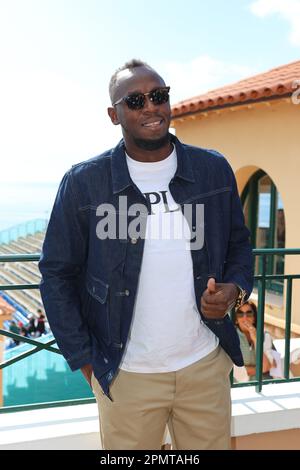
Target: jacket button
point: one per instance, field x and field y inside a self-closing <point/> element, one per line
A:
<point x="126" y="292"/>
<point x="134" y="241"/>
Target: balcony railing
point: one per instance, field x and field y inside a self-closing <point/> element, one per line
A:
<point x="261" y="277"/>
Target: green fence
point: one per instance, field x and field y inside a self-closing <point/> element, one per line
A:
<point x="263" y="279"/>
<point x="48" y="345"/>
<point x="40" y="377"/>
<point x="72" y="384"/>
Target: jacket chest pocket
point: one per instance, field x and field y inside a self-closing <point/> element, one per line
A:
<point x="99" y="308"/>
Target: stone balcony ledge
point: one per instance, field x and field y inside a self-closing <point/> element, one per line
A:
<point x="270" y="419"/>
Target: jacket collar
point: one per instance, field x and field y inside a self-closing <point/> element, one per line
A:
<point x="120" y="173"/>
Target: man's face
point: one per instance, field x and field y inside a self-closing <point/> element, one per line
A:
<point x="146" y="125"/>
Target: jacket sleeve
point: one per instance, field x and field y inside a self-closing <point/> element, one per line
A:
<point x="61" y="265"/>
<point x="239" y="260"/>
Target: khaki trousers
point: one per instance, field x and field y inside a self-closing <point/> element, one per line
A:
<point x="194" y="402"/>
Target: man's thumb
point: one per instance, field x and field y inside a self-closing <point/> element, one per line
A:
<point x="211" y="285"/>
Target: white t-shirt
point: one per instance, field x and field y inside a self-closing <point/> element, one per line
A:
<point x="167" y="332"/>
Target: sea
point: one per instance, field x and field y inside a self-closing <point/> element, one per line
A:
<point x="25" y="201"/>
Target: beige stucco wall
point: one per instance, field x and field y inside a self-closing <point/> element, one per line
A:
<point x="266" y="136"/>
<point x="281" y="440"/>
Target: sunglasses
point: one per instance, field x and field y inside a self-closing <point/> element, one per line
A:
<point x="137" y="100"/>
<point x="247" y="314"/>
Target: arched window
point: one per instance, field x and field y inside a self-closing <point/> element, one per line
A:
<point x="264" y="216"/>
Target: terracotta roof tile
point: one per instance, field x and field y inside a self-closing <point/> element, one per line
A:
<point x="274" y="83"/>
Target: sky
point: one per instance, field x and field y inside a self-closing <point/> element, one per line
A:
<point x="57" y="57"/>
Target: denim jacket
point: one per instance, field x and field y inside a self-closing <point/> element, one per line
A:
<point x="89" y="285"/>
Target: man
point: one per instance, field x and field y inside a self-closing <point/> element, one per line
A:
<point x="40" y="323"/>
<point x="31" y="327"/>
<point x="14" y="328"/>
<point x="143" y="310"/>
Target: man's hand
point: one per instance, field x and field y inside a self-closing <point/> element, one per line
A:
<point x="218" y="298"/>
<point x="87" y="371"/>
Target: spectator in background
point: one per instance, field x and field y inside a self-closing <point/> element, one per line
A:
<point x="31" y="328"/>
<point x="246" y="324"/>
<point x="23" y="331"/>
<point x="37" y="325"/>
<point x="13" y="328"/>
<point x="40" y="323"/>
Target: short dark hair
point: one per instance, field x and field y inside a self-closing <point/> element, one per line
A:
<point x="130" y="65"/>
